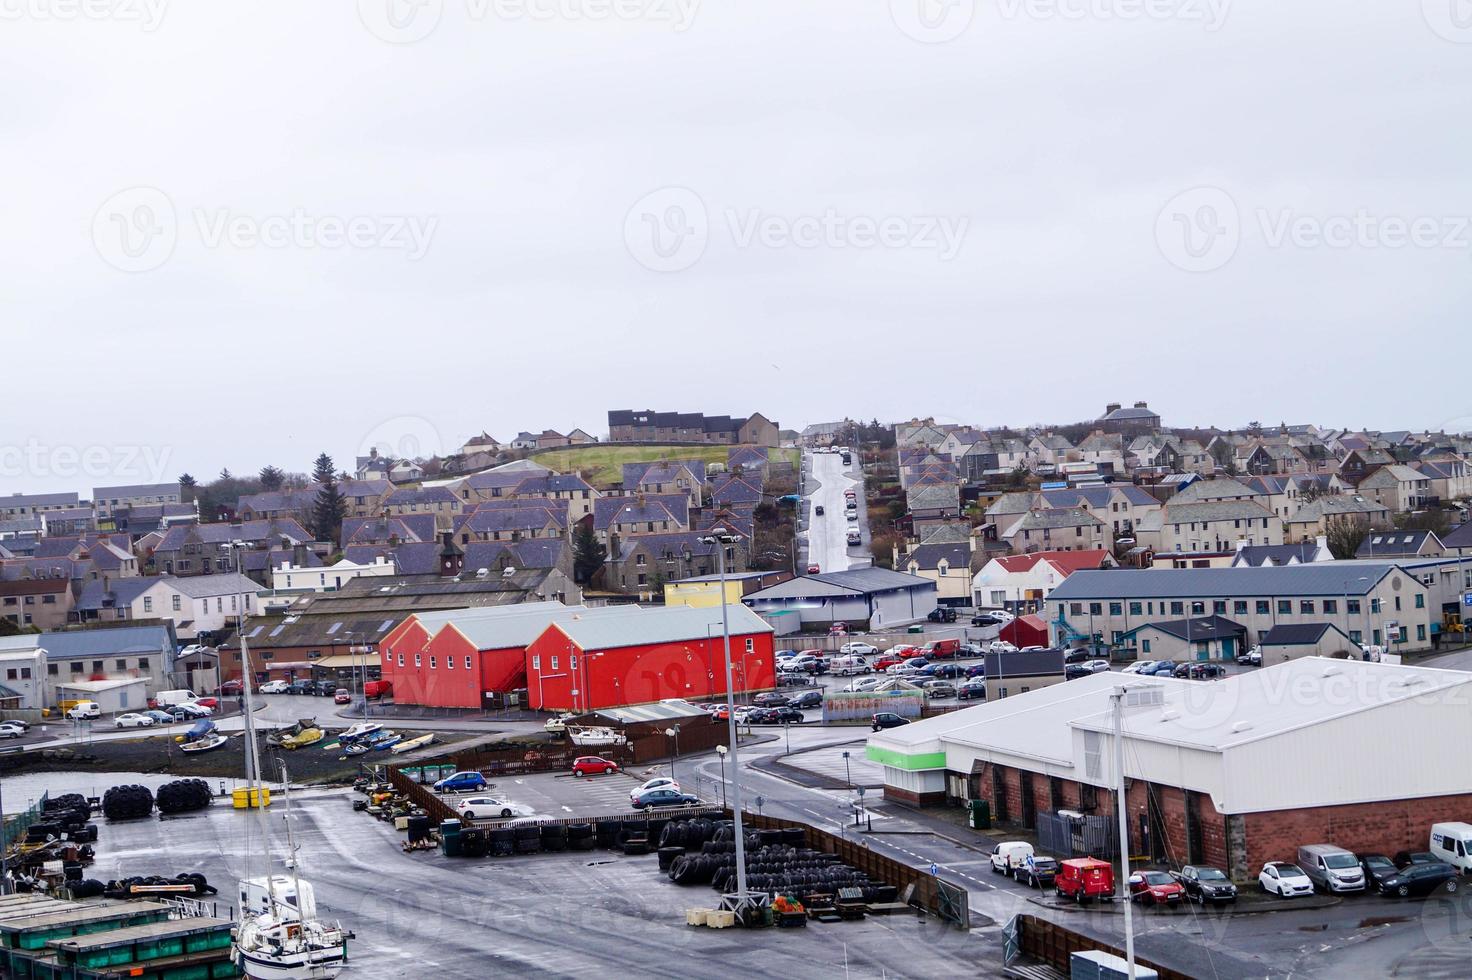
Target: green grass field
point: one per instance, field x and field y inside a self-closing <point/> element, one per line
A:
<point x="603" y="462"/>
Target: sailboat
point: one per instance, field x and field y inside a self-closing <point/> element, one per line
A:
<point x="280" y="936"/>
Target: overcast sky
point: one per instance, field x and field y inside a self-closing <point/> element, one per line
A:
<point x="243" y="233"/>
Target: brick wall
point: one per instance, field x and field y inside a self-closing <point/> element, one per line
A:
<point x="1384" y="827"/>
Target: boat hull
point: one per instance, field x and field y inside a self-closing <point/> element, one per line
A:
<point x="317" y="964"/>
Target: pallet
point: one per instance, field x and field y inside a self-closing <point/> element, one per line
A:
<point x="890" y="908"/>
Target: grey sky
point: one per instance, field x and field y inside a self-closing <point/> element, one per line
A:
<point x="877" y="221"/>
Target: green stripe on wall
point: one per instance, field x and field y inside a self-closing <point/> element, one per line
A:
<point x="898" y="760"/>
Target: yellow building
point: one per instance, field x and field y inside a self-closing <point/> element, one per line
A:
<point x="705" y="590"/>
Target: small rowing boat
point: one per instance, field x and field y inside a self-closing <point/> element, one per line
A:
<point x="207" y="744"/>
<point x="409" y="745"/>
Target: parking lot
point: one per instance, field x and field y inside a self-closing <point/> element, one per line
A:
<point x="563" y="795"/>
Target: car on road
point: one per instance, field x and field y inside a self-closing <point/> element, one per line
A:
<point x="1001" y="646"/>
<point x="976" y="670"/>
<point x="1038" y="872"/>
<point x="818" y="510"/>
<point x="1008" y="854"/>
<point x="1203" y="883"/>
<point x="1083" y="879"/>
<point x="159" y="717"/>
<point x="473" y="807"/>
<point x="973" y="690"/>
<point x="466" y="781"/>
<point x="301" y="688"/>
<point x="814" y="568"/>
<point x="942" y="614"/>
<point x="593" y="765"/>
<point x="771" y="699"/>
<point x="232" y="689"/>
<point x="83" y="710"/>
<point x="212" y="703"/>
<point x="808" y="699"/>
<point x="838" y="629"/>
<point x="193" y="709"/>
<point x="664" y="797"/>
<point x="887" y="719"/>
<point x="275" y="687"/>
<point x="1072" y="672"/>
<point x="938" y="689"/>
<point x="1138" y="667"/>
<point x="1416" y="880"/>
<point x="776" y="716"/>
<point x="133" y="720"/>
<point x="858" y="648"/>
<point x="1250" y="658"/>
<point x="7" y="730"/>
<point x="865" y="685"/>
<point x="1076" y="656"/>
<point x="1155" y="888"/>
<point x="342" y="696"/>
<point x="1377" y="868"/>
<point x="1284" y="879"/>
<point x="1096" y="666"/>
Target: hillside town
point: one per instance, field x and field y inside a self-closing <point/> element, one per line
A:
<point x="976" y="597"/>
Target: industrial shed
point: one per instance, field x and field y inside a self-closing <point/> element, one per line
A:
<point x="1233" y="772"/>
<point x="868" y="597"/>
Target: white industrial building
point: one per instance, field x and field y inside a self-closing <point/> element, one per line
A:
<point x="877" y="597"/>
<point x="1232" y="772"/>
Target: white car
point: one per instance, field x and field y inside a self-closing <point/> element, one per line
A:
<point x="8" y="730"/>
<point x="490" y="807"/>
<point x="903" y="668"/>
<point x="1138" y="667"/>
<point x="1282" y="878"/>
<point x="1097" y="666"/>
<point x="1001" y="646"/>
<point x="865" y="685"/>
<point x="658" y="782"/>
<point x="274" y="687"/>
<point x="133" y="720"/>
<point x="84" y="709"/>
<point x="857" y="648"/>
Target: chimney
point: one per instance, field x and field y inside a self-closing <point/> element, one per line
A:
<point x="1241" y="543"/>
<point x="452" y="559"/>
<point x="1141" y="405"/>
<point x="1111" y="407"/>
<point x="1323" y="542"/>
<point x="299" y="555"/>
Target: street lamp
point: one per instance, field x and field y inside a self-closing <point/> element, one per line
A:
<point x="721" y="751"/>
<point x="674" y="733"/>
<point x="847" y="776"/>
<point x="742" y="899"/>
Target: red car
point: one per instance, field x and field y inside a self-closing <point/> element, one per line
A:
<point x="887" y="661"/>
<point x="1156" y="888"/>
<point x="232" y="689"/>
<point x="212" y="703"/>
<point x="342" y="696"/>
<point x="813" y="568"/>
<point x="592" y="765"/>
<point x="905" y="651"/>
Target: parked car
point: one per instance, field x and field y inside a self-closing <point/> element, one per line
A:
<point x="491" y="806"/>
<point x="945" y="671"/>
<point x="467" y="781"/>
<point x="905" y="650"/>
<point x="373" y="690"/>
<point x="1162" y="668"/>
<point x="858" y="648"/>
<point x="342" y="696"/>
<point x="792" y="678"/>
<point x="232" y="689"/>
<point x="8" y="730"/>
<point x="1076" y="656"/>
<point x="1199" y="671"/>
<point x="771" y="699"/>
<point x="1001" y="646"/>
<point x="1250" y="658"/>
<point x="195" y="709"/>
<point x="1084" y="879"/>
<point x="906" y="668"/>
<point x="888" y="719"/>
<point x="847" y="665"/>
<point x="1332" y="869"/>
<point x="664" y="797"/>
<point x="301" y="687"/>
<point x="1204" y="883"/>
<point x="814" y="568"/>
<point x="838" y="629"/>
<point x="973" y="690"/>
<point x="976" y="670"/>
<point x="1073" y="672"/>
<point x="593" y="765"/>
<point x="1377" y="868"/>
<point x="994" y="617"/>
<point x="159" y="717"/>
<point x="887" y="661"/>
<point x="1009" y="854"/>
<point x="942" y="614"/>
<point x="854" y="536"/>
<point x="1096" y="666"/>
<point x="1138" y="667"/>
<point x="1155" y="888"/>
<point x="1421" y="879"/>
<point x="867" y="684"/>
<point x="1404" y="859"/>
<point x="133" y="720"/>
<point x="818" y="510"/>
<point x="324" y="689"/>
<point x="941" y="649"/>
<point x="780" y="716"/>
<point x="83" y="710"/>
<point x="970" y="648"/>
<point x="1284" y="879"/>
<point x="274" y="687"/>
<point x="807" y="699"/>
<point x="212" y="703"/>
<point x="1038" y="872"/>
<point x="938" y="689"/>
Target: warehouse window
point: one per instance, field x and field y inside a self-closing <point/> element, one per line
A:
<point x="1219" y="607"/>
<point x="418" y="660"/>
<point x="1116" y="609"/>
<point x="1198" y="608"/>
<point x="1421" y="632"/>
<point x="122" y="665"/>
<point x="554" y="663"/>
<point x="1096" y="609"/>
<point x="401" y="660"/>
<point x="53" y="669"/>
<point x="750" y="645"/>
<point x="1177" y="608"/>
<point x="1076" y="608"/>
<point x="1262" y="607"/>
<point x="433" y="663"/>
<point x="1144" y="646"/>
<point x="1420" y="601"/>
<point x="467" y="662"/>
<point x="1306" y="607"/>
<point x="1239" y="607"/>
<point x="1093" y="761"/>
<point x="1352" y="606"/>
<point x="1134" y="609"/>
<point x="449" y="663"/>
<point x="537" y="662"/>
<point x="76" y="666"/>
<point x="1355" y="636"/>
<point x="1285" y="607"/>
<point x="572" y="662"/>
<point x="1331" y="606"/>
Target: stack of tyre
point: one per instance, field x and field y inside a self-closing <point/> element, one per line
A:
<point x="581" y="837"/>
<point x="127" y="802"/>
<point x="64" y="816"/>
<point x="123" y="887"/>
<point x="699" y="852"/>
<point x="184" y="796"/>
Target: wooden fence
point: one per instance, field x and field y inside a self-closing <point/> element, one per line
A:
<point x="1053" y="944"/>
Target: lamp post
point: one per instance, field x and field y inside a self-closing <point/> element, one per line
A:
<point x="742" y="899"/>
<point x="674" y="733"/>
<point x="847" y="776"/>
<point x="721" y="751"/>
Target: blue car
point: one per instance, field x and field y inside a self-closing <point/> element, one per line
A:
<point x="976" y="670"/>
<point x="461" y="782"/>
<point x="1162" y="668"/>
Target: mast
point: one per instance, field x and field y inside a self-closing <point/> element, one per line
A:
<point x="296" y="880"/>
<point x="1124" y="830"/>
<point x="254" y="787"/>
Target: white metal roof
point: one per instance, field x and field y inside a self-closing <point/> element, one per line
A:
<point x="502" y="632"/>
<point x="667" y="625"/>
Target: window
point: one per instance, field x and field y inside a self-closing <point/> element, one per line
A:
<point x="176" y="604"/>
<point x="122" y="665"/>
<point x="76" y="666"/>
<point x="1306" y="607"/>
<point x="449" y="663"/>
<point x="1352" y="606"/>
<point x="148" y="603"/>
<point x="401" y="660"/>
<point x="1239" y="607"/>
<point x="1355" y="635"/>
<point x="750" y="645"/>
<point x="1144" y="646"/>
<point x="467" y="662"/>
<point x="97" y="666"/>
<point x="537" y="662"/>
<point x="1198" y="608"/>
<point x="1263" y="607"/>
<point x="1076" y="608"/>
<point x="1219" y="607"/>
<point x="1331" y="606"/>
<point x="418" y="660"/>
<point x="554" y="663"/>
<point x="142" y="663"/>
<point x="1421" y="631"/>
<point x="1420" y="601"/>
<point x="433" y="663"/>
<point x="643" y="579"/>
<point x="1285" y="607"/>
<point x="1134" y="609"/>
<point x="1375" y="605"/>
<point x="10" y="674"/>
<point x="1178" y="608"/>
<point x="48" y="600"/>
<point x="1116" y="609"/>
<point x="53" y="669"/>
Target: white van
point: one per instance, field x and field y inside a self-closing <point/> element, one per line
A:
<point x="1452" y="843"/>
<point x="848" y="665"/>
<point x="1009" y="855"/>
<point x="167" y="699"/>
<point x="83" y="710"/>
<point x="1333" y="870"/>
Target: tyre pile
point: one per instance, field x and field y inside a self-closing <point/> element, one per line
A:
<point x="184" y="796"/>
<point x="636" y="836"/>
<point x="127" y="802"/>
<point x="123" y="887"/>
<point x="65" y="817"/>
<point x="703" y="852"/>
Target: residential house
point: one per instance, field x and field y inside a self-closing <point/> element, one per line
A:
<point x="1400" y="544"/>
<point x="570" y="487"/>
<point x="1397" y="487"/>
<point x="577" y="437"/>
<point x="930" y="505"/>
<point x="1314" y="519"/>
<point x="1135" y="421"/>
<point x="642" y="563"/>
<point x="1020" y="583"/>
<point x="1106" y="450"/>
<point x="1120" y="505"/>
<point x="1451" y="479"/>
<point x="388" y="530"/>
<point x="1198" y="638"/>
<point x="140" y="519"/>
<point x="30" y="504"/>
<point x="1047" y="451"/>
<point x="551" y="439"/>
<point x="947" y="565"/>
<point x="203" y="549"/>
<point x="1361" y="463"/>
<point x="107" y="500"/>
<point x="71" y="521"/>
<point x="439" y="501"/>
<point x="289" y="577"/>
<point x="736" y="490"/>
<point x="1210" y="525"/>
<point x="641" y="514"/>
<point x="1071" y="529"/>
<point x="1290" y="641"/>
<point x="512" y="520"/>
<point x="44" y="604"/>
<point x="626" y="425"/>
<point x="1300" y="553"/>
<point x="524" y="440"/>
<point x="483" y="443"/>
<point x="667" y="476"/>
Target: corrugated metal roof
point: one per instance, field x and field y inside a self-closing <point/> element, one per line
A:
<point x="106" y="642"/>
<point x="503" y="632"/>
<point x="854" y="580"/>
<point x="668" y="625"/>
<point x="1314" y="578"/>
<point x="433" y="621"/>
<point x="673" y="710"/>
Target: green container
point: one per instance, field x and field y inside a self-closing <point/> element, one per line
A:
<point x="980" y="815"/>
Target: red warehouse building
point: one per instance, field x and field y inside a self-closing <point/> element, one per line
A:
<point x="465" y="658"/>
<point x="587" y="663"/>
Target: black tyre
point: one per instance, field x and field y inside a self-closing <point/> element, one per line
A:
<point x="468" y="815"/>
<point x="505" y="812"/>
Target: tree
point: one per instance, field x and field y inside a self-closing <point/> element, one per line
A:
<point x="271" y="478"/>
<point x="330" y="507"/>
<point x="882" y="547"/>
<point x="1434" y="520"/>
<point x="1309" y="493"/>
<point x="1345" y="536"/>
<point x="588" y="554"/>
<point x="187" y="485"/>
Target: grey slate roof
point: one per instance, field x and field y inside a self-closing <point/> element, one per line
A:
<point x="1216" y="510"/>
<point x="1198" y="628"/>
<point x="859" y="581"/>
<point x="1386" y="544"/>
<point x="122" y="640"/>
<point x="1298" y="634"/>
<point x="1330" y="578"/>
<point x="1279" y="554"/>
<point x="929" y="556"/>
